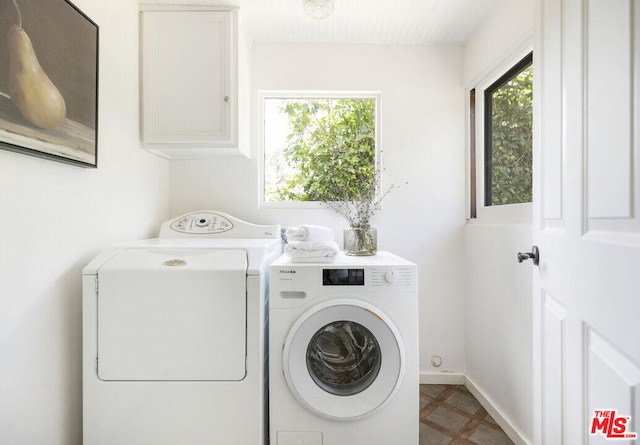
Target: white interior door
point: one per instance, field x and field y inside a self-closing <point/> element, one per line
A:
<point x="587" y="221"/>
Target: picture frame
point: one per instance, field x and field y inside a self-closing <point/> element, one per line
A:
<point x="49" y="81"/>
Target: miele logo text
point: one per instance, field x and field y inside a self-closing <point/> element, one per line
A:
<point x="611" y="425"/>
<point x="287" y="271"/>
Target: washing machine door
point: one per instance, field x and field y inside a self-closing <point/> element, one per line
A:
<point x="343" y="359"/>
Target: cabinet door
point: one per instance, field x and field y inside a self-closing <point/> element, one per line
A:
<point x="188" y="79"/>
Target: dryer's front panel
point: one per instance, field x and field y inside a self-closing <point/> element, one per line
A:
<point x="172" y="316"/>
<point x="343" y="359"/>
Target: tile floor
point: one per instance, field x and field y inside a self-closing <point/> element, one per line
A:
<point x="450" y="415"/>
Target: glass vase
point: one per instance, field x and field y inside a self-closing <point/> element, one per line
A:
<point x="360" y="241"/>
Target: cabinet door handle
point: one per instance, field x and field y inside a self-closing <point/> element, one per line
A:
<point x="226" y="99"/>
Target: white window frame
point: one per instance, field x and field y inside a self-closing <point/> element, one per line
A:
<point x="509" y="213"/>
<point x="307" y="94"/>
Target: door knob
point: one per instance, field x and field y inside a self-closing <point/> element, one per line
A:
<point x="534" y="254"/>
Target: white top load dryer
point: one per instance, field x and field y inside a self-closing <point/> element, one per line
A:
<point x="174" y="335"/>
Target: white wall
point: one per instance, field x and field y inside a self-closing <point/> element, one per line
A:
<point x="499" y="289"/>
<point x="423" y="143"/>
<point x="509" y="24"/>
<point x="54" y="218"/>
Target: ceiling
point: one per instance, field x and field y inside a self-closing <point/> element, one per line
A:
<point x="408" y="22"/>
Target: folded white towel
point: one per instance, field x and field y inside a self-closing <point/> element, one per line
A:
<point x="310" y="233"/>
<point x="304" y="251"/>
<point x="313" y="259"/>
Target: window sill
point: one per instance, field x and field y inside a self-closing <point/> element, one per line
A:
<point x="520" y="214"/>
<point x="297" y="205"/>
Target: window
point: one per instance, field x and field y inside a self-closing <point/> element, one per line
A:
<point x="317" y="143"/>
<point x="508" y="136"/>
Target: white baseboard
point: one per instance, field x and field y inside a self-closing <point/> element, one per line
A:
<point x="498" y="416"/>
<point x="442" y="378"/>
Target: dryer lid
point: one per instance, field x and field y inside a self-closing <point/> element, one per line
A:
<point x="158" y="257"/>
<point x="172" y="315"/>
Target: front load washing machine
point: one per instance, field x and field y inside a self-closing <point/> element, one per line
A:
<point x="174" y="333"/>
<point x="343" y="348"/>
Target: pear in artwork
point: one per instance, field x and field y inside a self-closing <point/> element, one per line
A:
<point x="30" y="88"/>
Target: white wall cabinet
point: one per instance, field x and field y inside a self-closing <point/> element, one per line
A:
<point x="189" y="81"/>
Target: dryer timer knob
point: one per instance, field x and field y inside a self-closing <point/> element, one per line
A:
<point x="392" y="276"/>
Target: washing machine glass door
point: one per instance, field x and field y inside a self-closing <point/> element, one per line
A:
<point x="343" y="359"/>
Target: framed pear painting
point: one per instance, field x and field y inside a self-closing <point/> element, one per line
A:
<point x="49" y="81"/>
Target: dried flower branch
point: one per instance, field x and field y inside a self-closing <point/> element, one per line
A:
<point x="358" y="210"/>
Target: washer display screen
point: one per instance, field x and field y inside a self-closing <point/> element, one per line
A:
<point x="343" y="277"/>
<point x="343" y="358"/>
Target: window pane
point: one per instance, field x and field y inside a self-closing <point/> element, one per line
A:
<point x="315" y="146"/>
<point x="508" y="137"/>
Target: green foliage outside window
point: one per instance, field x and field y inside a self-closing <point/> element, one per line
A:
<point x="511" y="140"/>
<point x="328" y="153"/>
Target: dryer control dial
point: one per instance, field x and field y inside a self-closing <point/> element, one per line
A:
<point x="202" y="222"/>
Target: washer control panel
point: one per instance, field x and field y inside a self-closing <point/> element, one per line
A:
<point x="197" y="223"/>
<point x="375" y="276"/>
<point x="298" y="277"/>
